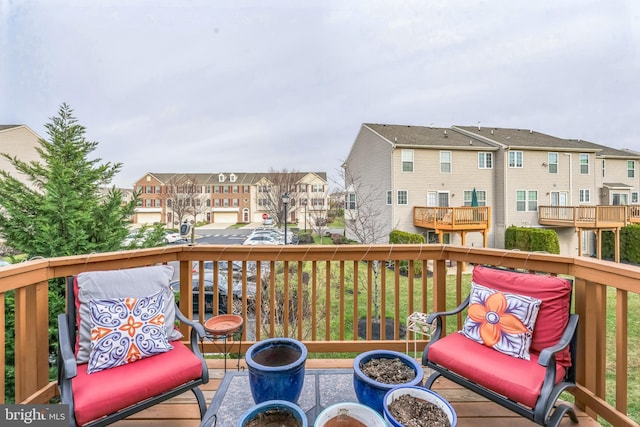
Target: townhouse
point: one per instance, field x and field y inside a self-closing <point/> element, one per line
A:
<point x="21" y="142"/>
<point x="230" y="197"/>
<point x="516" y="175"/>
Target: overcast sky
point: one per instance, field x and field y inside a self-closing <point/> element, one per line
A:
<point x="250" y="86"/>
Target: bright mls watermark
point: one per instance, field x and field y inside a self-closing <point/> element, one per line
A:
<point x="34" y="415"/>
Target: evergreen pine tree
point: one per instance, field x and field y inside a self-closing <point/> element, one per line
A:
<point x="61" y="210"/>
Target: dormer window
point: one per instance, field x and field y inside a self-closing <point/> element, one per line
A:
<point x="221" y="177"/>
<point x="232" y="177"/>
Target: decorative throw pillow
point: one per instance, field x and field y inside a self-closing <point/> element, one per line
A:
<point x="124" y="330"/>
<point x="501" y="320"/>
<point x="130" y="282"/>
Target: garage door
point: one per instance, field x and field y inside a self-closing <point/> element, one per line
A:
<point x="148" y="217"/>
<point x="225" y="217"/>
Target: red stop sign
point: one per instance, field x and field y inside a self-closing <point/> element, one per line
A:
<point x="265" y="216"/>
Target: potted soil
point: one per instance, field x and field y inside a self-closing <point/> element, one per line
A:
<point x="276" y="369"/>
<point x="274" y="412"/>
<point x="349" y="414"/>
<point x="417" y="406"/>
<point x="378" y="371"/>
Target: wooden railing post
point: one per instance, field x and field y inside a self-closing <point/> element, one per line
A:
<point x="31" y="340"/>
<point x="440" y="287"/>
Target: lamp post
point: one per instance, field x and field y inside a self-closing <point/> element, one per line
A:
<point x="285" y="202"/>
<point x="304" y="202"/>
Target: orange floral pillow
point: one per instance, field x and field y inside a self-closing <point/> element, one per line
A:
<point x="501" y="320"/>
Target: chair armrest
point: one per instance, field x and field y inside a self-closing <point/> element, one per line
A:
<point x="439" y="315"/>
<point x="65" y="349"/>
<point x="547" y="355"/>
<point x="456" y="310"/>
<point x="197" y="326"/>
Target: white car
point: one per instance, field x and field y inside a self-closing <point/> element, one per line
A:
<point x="172" y="237"/>
<point x="260" y="239"/>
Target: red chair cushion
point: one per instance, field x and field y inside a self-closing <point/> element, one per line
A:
<point x="105" y="392"/>
<point x="555" y="294"/>
<point x="518" y="379"/>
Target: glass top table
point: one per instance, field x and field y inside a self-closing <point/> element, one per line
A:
<point x="322" y="388"/>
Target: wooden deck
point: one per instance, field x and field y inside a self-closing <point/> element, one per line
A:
<point x="472" y="409"/>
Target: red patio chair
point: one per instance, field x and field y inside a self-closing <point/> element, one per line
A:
<point x="101" y="377"/>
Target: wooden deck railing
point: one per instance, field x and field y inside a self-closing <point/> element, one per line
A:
<point x="588" y="216"/>
<point x="337" y="281"/>
<point x="452" y="218"/>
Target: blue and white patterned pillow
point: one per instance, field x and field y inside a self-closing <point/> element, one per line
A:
<point x="501" y="320"/>
<point x="124" y="330"/>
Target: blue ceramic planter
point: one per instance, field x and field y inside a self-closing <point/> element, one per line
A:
<point x="276" y="369"/>
<point x="371" y="392"/>
<point x="270" y="405"/>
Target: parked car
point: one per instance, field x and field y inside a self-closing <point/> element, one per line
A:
<point x="268" y="221"/>
<point x="260" y="239"/>
<point x="172" y="237"/>
<point x="222" y="293"/>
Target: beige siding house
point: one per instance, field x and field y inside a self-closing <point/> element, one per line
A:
<point x="513" y="171"/>
<point x="17" y="141"/>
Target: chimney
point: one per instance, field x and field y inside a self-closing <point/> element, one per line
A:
<point x="445" y="134"/>
<point x="478" y="125"/>
<point x="491" y="131"/>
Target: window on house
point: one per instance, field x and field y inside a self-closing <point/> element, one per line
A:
<point x="585" y="195"/>
<point x="584" y="164"/>
<point x="225" y="203"/>
<point x="208" y="204"/>
<point x="168" y="203"/>
<point x="526" y="200"/>
<point x="389" y="197"/>
<point x="350" y="201"/>
<point x="263" y="202"/>
<point x="216" y="203"/>
<point x="226" y="189"/>
<point x="317" y="188"/>
<point x="158" y="189"/>
<point x="149" y="189"/>
<point x="236" y="189"/>
<point x="207" y="189"/>
<point x="139" y="188"/>
<point x="407" y="160"/>
<point x="631" y="169"/>
<point x="148" y="203"/>
<point x="481" y="195"/>
<point x="445" y="162"/>
<point x="604" y="168"/>
<point x="558" y="198"/>
<point x="236" y="203"/>
<point x="245" y="189"/>
<point x="158" y="203"/>
<point x="552" y="160"/>
<point x="317" y="202"/>
<point x="403" y="197"/>
<point x="221" y="177"/>
<point x="634" y="197"/>
<point x="233" y="177"/>
<point x="515" y="159"/>
<point x="485" y="160"/>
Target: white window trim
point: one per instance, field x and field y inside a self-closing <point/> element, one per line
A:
<point x="404" y="158"/>
<point x="484" y="155"/>
<point x="515" y="159"/>
<point x="398" y="198"/>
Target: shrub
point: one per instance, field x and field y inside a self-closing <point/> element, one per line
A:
<point x="532" y="239"/>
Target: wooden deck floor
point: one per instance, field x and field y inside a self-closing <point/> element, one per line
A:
<point x="472" y="410"/>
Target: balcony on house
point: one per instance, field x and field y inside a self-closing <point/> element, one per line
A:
<point x="335" y="282"/>
<point x="461" y="220"/>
